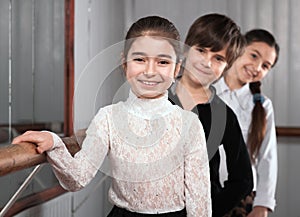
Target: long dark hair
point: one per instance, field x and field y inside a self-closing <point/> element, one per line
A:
<point x="257" y="129"/>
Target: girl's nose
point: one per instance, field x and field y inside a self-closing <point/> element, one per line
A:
<point x="150" y="68"/>
<point x="257" y="69"/>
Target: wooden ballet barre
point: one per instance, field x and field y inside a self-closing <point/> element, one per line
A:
<point x="21" y="156"/>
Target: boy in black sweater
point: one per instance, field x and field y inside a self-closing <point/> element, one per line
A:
<point x="213" y="43"/>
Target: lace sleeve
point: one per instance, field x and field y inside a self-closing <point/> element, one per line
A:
<point x="75" y="172"/>
<point x="197" y="178"/>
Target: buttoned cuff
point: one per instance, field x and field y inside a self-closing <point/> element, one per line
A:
<point x="265" y="202"/>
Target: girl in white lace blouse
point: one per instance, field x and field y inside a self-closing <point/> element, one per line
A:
<point x="154" y="151"/>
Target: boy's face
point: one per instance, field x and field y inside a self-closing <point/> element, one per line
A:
<point x="204" y="66"/>
<point x="150" y="67"/>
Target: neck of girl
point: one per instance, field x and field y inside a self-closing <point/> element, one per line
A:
<point x="232" y="80"/>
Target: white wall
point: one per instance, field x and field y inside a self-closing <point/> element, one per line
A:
<point x="37" y="60"/>
<point x="277" y="16"/>
<point x="99" y="27"/>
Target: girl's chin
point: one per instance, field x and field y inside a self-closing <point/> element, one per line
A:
<point x="248" y="80"/>
<point x="149" y="94"/>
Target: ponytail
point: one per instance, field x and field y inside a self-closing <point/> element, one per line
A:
<point x="257" y="129"/>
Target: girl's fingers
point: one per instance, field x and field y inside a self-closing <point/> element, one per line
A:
<point x="43" y="140"/>
<point x="40" y="149"/>
<point x="39" y="138"/>
<point x="27" y="137"/>
<point x="29" y="132"/>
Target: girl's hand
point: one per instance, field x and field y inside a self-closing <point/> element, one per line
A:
<point x="258" y="211"/>
<point x="43" y="140"/>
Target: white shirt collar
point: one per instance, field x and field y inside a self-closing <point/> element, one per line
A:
<point x="243" y="94"/>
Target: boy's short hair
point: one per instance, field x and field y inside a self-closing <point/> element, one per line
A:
<point x="217" y="31"/>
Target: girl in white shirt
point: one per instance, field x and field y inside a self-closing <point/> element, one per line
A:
<point x="240" y="89"/>
<point x="154" y="151"/>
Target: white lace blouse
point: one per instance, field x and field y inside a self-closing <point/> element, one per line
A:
<point x="154" y="151"/>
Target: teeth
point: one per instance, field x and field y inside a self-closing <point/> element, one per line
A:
<point x="249" y="73"/>
<point x="149" y="83"/>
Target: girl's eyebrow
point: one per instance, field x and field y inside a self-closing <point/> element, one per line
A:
<point x="138" y="54"/>
<point x="144" y="54"/>
<point x="165" y="55"/>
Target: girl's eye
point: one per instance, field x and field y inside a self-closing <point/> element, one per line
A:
<point x="138" y="59"/>
<point x="164" y="62"/>
<point x="266" y="67"/>
<point x="253" y="55"/>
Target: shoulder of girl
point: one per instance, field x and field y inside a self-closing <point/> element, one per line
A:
<point x="107" y="108"/>
<point x="190" y="116"/>
<point x="268" y="104"/>
<point x="103" y="112"/>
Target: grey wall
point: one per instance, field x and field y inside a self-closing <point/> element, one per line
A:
<point x="4" y="75"/>
<point x="37" y="61"/>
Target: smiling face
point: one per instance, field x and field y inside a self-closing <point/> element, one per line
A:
<point x="254" y="64"/>
<point x="203" y="67"/>
<point x="150" y="66"/>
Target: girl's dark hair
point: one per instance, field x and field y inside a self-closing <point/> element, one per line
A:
<point x="262" y="35"/>
<point x="257" y="129"/>
<point x="258" y="124"/>
<point x="153" y="26"/>
<point x="217" y="31"/>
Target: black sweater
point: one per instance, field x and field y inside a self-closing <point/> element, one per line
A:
<point x="221" y="127"/>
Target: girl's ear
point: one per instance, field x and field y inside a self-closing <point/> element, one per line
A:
<point x="124" y="65"/>
<point x="177" y="68"/>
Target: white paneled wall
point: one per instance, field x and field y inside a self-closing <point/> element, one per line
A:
<point x="37" y="61"/>
<point x="277" y="16"/>
<point x="60" y="207"/>
<point x="277" y="82"/>
<point x="98" y="25"/>
<point x="294" y="63"/>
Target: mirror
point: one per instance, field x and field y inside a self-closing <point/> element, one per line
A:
<point x="32" y="56"/>
<point x="31" y="66"/>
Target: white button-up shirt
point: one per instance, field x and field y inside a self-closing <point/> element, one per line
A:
<point x="265" y="166"/>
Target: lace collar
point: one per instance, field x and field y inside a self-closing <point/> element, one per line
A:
<point x="149" y="108"/>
